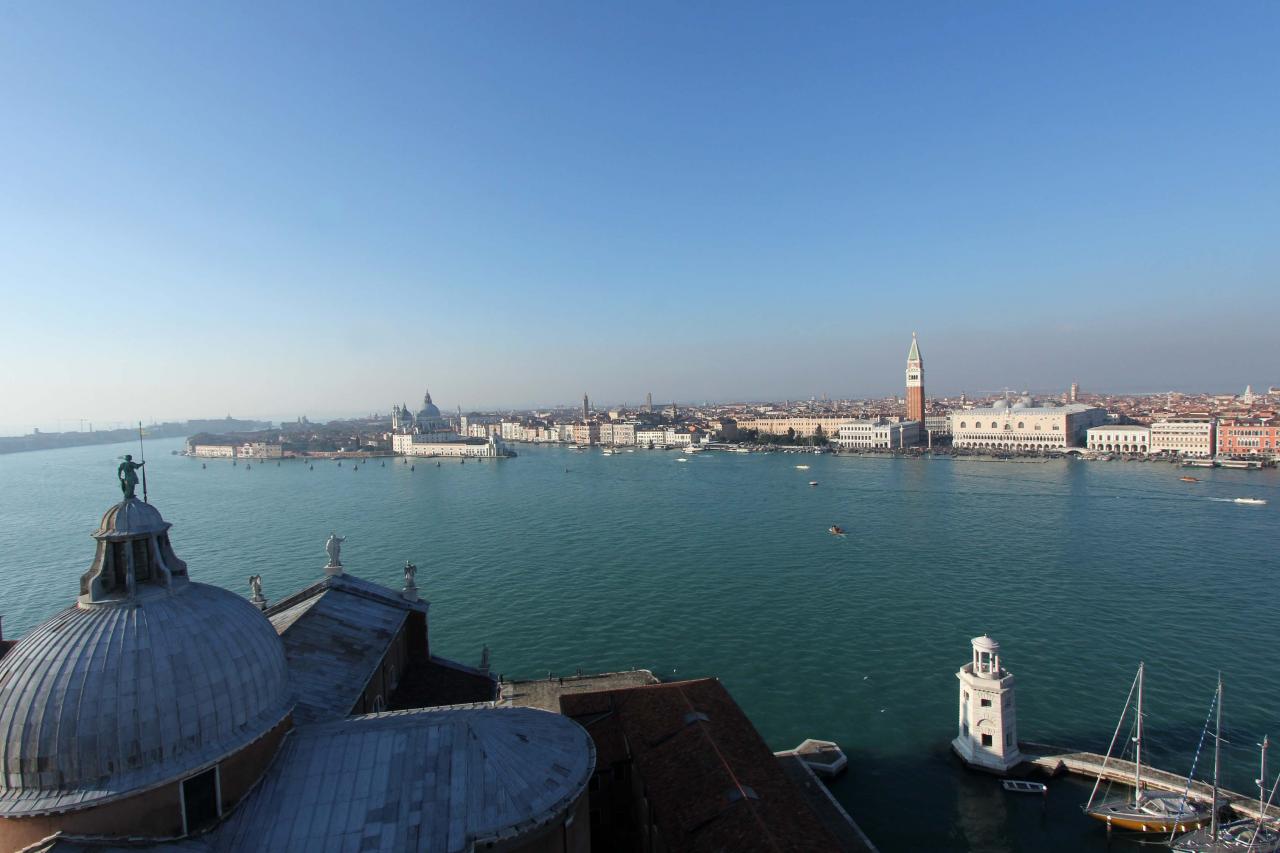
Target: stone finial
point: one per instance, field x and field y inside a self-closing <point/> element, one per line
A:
<point x="255" y="588"/>
<point x="484" y="659"/>
<point x="410" y="591"/>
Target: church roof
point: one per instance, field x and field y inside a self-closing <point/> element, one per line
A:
<point x="441" y="779"/>
<point x="103" y="701"/>
<point x="335" y="634"/>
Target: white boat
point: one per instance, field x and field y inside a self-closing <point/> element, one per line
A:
<point x="1248" y="835"/>
<point x="607" y="452"/>
<point x="802" y="467"/>
<point x="682" y="459"/>
<point x="1251" y="501"/>
<point x="813" y="482"/>
<point x="1021" y="786"/>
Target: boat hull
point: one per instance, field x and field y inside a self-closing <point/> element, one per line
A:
<point x="1127" y="818"/>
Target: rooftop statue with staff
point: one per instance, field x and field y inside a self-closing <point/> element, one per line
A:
<point x="126" y="471"/>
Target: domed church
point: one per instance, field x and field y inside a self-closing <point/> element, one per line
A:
<point x="159" y="712"/>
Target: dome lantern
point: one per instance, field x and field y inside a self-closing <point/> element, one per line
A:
<point x="133" y="556"/>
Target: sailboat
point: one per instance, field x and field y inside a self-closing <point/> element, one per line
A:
<point x="1146" y="810"/>
<point x="1255" y="835"/>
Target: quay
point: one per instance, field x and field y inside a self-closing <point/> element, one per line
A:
<point x="1056" y="761"/>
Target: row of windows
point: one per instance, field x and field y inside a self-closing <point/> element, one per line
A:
<point x="994" y="425"/>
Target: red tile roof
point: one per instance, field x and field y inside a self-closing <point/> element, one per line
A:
<point x="712" y="782"/>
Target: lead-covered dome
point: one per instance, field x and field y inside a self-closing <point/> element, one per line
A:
<point x="142" y="682"/>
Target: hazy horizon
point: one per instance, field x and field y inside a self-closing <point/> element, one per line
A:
<point x="306" y="209"/>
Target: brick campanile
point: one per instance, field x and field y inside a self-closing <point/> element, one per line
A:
<point x="915" y="383"/>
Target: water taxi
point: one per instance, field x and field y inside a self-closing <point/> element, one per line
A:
<point x="1251" y="501"/>
<point x="813" y="482"/>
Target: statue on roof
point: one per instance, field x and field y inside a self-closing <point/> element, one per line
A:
<point x="333" y="547"/>
<point x="126" y="471"/>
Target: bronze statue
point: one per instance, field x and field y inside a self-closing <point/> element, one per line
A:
<point x="128" y="477"/>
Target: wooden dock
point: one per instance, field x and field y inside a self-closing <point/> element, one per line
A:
<point x="1055" y="760"/>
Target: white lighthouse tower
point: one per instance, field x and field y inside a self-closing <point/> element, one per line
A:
<point x="988" y="735"/>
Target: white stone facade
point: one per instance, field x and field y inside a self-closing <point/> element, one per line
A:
<point x="413" y="445"/>
<point x="988" y="724"/>
<point x="1024" y="426"/>
<point x="1125" y="438"/>
<point x="214" y="451"/>
<point x="877" y="434"/>
<point x="1184" y="437"/>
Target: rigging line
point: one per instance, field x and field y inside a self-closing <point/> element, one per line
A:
<point x="1107" y="758"/>
<point x="1186" y="792"/>
<point x="1263" y="810"/>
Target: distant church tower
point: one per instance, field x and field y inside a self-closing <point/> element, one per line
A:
<point x="915" y="383"/>
<point x="988" y="735"/>
<point x="586" y="408"/>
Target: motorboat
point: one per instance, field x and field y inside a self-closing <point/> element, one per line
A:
<point x="1251" y="501"/>
<point x="1021" y="786"/>
<point x="1189" y="479"/>
<point x="813" y="482"/>
<point x="1146" y="810"/>
<point x="802" y="467"/>
<point x="836" y="530"/>
<point x="682" y="459"/>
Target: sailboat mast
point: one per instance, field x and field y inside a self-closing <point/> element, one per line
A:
<point x="1137" y="741"/>
<point x="1262" y="781"/>
<point x="1217" y="755"/>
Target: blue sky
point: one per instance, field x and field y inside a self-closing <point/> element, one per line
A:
<point x="275" y="209"/>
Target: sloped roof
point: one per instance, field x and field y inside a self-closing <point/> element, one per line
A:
<point x="712" y="781"/>
<point x="335" y="634"/>
<point x="444" y="780"/>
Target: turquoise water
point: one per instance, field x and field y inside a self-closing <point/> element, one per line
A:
<point x="722" y="566"/>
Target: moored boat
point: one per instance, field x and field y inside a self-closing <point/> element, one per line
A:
<point x="1146" y="810"/>
<point x="1022" y="786"/>
<point x="1255" y="835"/>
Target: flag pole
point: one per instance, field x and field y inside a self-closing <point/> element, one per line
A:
<point x="142" y="453"/>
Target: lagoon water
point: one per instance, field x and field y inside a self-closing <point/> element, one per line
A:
<point x="562" y="560"/>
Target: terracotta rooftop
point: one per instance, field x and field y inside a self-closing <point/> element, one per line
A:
<point x="711" y="781"/>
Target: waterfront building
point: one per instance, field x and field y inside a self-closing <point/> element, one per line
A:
<point x="585" y="434"/>
<point x="1023" y="425"/>
<point x="988" y="724"/>
<point x="1193" y="437"/>
<point x="512" y="431"/>
<point x="915" y="383"/>
<point x="606" y="433"/>
<point x="878" y="434"/>
<point x="800" y="427"/>
<point x="654" y="437"/>
<point x="213" y="451"/>
<point x="1119" y="438"/>
<point x="1249" y="437"/>
<point x="624" y="433"/>
<point x="261" y="450"/>
<point x="937" y="424"/>
<point x="423" y="445"/>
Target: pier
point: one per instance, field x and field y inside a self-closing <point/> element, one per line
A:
<point x="1055" y="761"/>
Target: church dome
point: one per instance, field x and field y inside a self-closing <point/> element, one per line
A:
<point x="1001" y="404"/>
<point x="429" y="409"/>
<point x="147" y="679"/>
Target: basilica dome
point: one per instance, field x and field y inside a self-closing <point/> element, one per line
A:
<point x="430" y="411"/>
<point x="146" y="679"/>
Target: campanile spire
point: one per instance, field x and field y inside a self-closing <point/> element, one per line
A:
<point x="915" y="382"/>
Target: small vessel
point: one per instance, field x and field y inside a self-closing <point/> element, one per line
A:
<point x="682" y="459"/>
<point x="1189" y="479"/>
<point x="1251" y="501"/>
<point x="813" y="482"/>
<point x="204" y="465"/>
<point x="836" y="530"/>
<point x="1256" y="835"/>
<point x="1146" y="810"/>
<point x="802" y="467"/>
<point x="606" y="452"/>
<point x="1021" y="786"/>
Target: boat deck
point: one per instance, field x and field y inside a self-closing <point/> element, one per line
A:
<point x="1055" y="760"/>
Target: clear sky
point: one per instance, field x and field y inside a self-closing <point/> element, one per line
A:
<point x="272" y="209"/>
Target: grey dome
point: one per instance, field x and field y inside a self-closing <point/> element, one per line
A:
<point x="130" y="517"/>
<point x="105" y="700"/>
<point x="1001" y="404"/>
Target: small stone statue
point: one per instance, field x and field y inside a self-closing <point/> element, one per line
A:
<point x="333" y="547"/>
<point x="255" y="588"/>
<point x="126" y="472"/>
<point x="410" y="573"/>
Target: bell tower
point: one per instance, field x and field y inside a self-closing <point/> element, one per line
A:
<point x="988" y="728"/>
<point x="915" y="383"/>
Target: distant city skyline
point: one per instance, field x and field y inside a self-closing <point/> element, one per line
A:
<point x="323" y="210"/>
